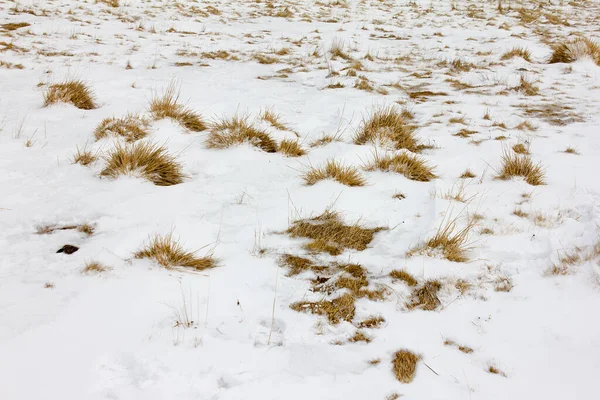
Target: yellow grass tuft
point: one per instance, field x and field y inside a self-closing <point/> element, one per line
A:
<point x="147" y="160"/>
<point x="371" y="322"/>
<point x="131" y="128"/>
<point x="425" y="297"/>
<point x="404" y="276"/>
<point x="411" y="166"/>
<point x="329" y="234"/>
<point x="237" y="130"/>
<point x="346" y="175"/>
<point x="523" y="166"/>
<point x="270" y="116"/>
<point x="467" y="174"/>
<point x="404" y="365"/>
<point x="577" y="49"/>
<point x="339" y="309"/>
<point x="291" y="148"/>
<point x="93" y="267"/>
<point x="169" y="253"/>
<point x="75" y="92"/>
<point x="517" y="52"/>
<point x="84" y="157"/>
<point x="388" y="125"/>
<point x="167" y="106"/>
<point x="520" y="148"/>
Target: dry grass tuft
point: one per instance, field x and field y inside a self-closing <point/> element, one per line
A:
<point x="388" y="125"/>
<point x="523" y="166"/>
<point x="75" y="92"/>
<point x="371" y="322"/>
<point x="84" y="157"/>
<point x="571" y="150"/>
<point x="520" y="148"/>
<point x="325" y="140"/>
<point x="93" y="267"/>
<point x="270" y="116"/>
<point x="570" y="51"/>
<point x="338" y="50"/>
<point x="449" y="240"/>
<point x="147" y="160"/>
<point x="411" y="166"/>
<point x="493" y="370"/>
<point x="14" y="26"/>
<point x="517" y="52"/>
<point x="360" y="336"/>
<point x="296" y="265"/>
<point x="404" y="365"/>
<point x="329" y="234"/>
<point x="237" y="130"/>
<point x="339" y="309"/>
<point x="425" y="296"/>
<point x="111" y="3"/>
<point x="167" y="106"/>
<point x="468" y="174"/>
<point x="168" y="253"/>
<point x="130" y="127"/>
<point x="404" y="276"/>
<point x="291" y="148"/>
<point x="464" y="349"/>
<point x="346" y="175"/>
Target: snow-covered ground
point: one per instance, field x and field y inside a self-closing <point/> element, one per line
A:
<point x="122" y="333"/>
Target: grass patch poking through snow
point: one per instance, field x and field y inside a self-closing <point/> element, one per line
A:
<point x="521" y="165"/>
<point x="146" y="160"/>
<point x="237" y="130"/>
<point x="577" y="49"/>
<point x="169" y="253"/>
<point x="410" y="165"/>
<point x="167" y="106"/>
<point x="404" y="365"/>
<point x="75" y="92"/>
<point x="329" y="234"/>
<point x="388" y="125"/>
<point x="131" y="128"/>
<point x="346" y="175"/>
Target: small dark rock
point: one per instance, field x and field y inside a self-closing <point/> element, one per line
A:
<point x="68" y="249"/>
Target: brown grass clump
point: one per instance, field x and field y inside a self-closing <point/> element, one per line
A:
<point x="273" y="118"/>
<point x="167" y="106"/>
<point x="325" y="140"/>
<point x="86" y="228"/>
<point x="329" y="234"/>
<point x="130" y="127"/>
<point x="296" y="265"/>
<point x="360" y="336"/>
<point x="411" y="166"/>
<point x="425" y="296"/>
<point x="336" y="310"/>
<point x="404" y="365"/>
<point x="338" y="50"/>
<point x="493" y="370"/>
<point x="14" y="26"/>
<point x="84" y="157"/>
<point x="168" y="253"/>
<point x="467" y="174"/>
<point x="464" y="349"/>
<point x="346" y="175"/>
<point x="75" y="92"/>
<point x="517" y="52"/>
<point x="520" y="148"/>
<point x="570" y="51"/>
<point x="237" y="130"/>
<point x="571" y="150"/>
<point x="371" y="322"/>
<point x="526" y="87"/>
<point x="451" y="241"/>
<point x="147" y="160"/>
<point x="523" y="166"/>
<point x="404" y="276"/>
<point x="93" y="267"/>
<point x="111" y="3"/>
<point x="388" y="125"/>
<point x="291" y="148"/>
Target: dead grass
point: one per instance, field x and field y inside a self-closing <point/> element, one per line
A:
<point x="291" y="148"/>
<point x="329" y="234"/>
<point x="425" y="296"/>
<point x="86" y="228"/>
<point x="131" y="128"/>
<point x="360" y="336"/>
<point x="527" y="87"/>
<point x="494" y="370"/>
<point x="517" y="52"/>
<point x="14" y="26"/>
<point x="411" y="166"/>
<point x="468" y="174"/>
<point x="520" y="148"/>
<point x="325" y="140"/>
<point x="388" y="125"/>
<point x="571" y="150"/>
<point x="568" y="259"/>
<point x="521" y="165"/>
<point x="84" y="157"/>
<point x="577" y="49"/>
<point x="503" y="284"/>
<point x="146" y="160"/>
<point x="339" y="309"/>
<point x="297" y="265"/>
<point x="167" y="105"/>
<point x="111" y="3"/>
<point x="93" y="267"/>
<point x="237" y="130"/>
<point x="338" y="50"/>
<point x="404" y="365"/>
<point x="404" y="276"/>
<point x="346" y="175"/>
<point x="371" y="322"/>
<point x="464" y="349"/>
<point x="450" y="240"/>
<point x="270" y="116"/>
<point x="75" y="92"/>
<point x="169" y="253"/>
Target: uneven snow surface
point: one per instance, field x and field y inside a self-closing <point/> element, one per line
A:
<point x="523" y="306"/>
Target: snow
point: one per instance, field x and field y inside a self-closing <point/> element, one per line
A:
<point x="114" y="335"/>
